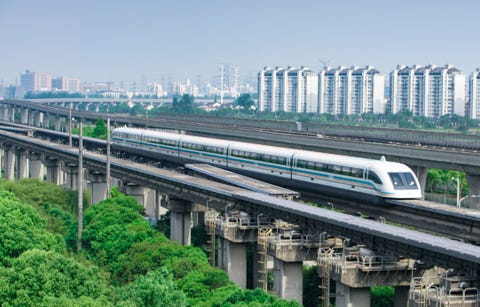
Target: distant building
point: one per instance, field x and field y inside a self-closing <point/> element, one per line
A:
<point x="288" y="90"/>
<point x="35" y="82"/>
<point x="351" y="90"/>
<point x="428" y="91"/>
<point x="70" y="85"/>
<point x="97" y="88"/>
<point x="475" y="95"/>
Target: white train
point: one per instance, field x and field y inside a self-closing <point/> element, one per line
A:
<point x="314" y="170"/>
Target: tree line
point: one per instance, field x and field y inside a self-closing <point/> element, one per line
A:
<point x="124" y="261"/>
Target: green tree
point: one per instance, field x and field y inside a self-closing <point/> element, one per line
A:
<point x="245" y="102"/>
<point x="22" y="228"/>
<point x="156" y="288"/>
<point x="183" y="105"/>
<point x="100" y="130"/>
<point x="382" y="296"/>
<point x="38" y="275"/>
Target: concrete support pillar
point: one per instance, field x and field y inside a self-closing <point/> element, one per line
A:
<point x="401" y="296"/>
<point x="71" y="181"/>
<point x="9" y="170"/>
<point x="153" y="208"/>
<point x="97" y="186"/>
<point x="2" y="158"/>
<point x="473" y="181"/>
<point x="421" y="172"/>
<point x="6" y="114"/>
<point x="1" y="111"/>
<point x="24" y="116"/>
<point x="37" y="170"/>
<point x="136" y="191"/>
<point x="31" y="118"/>
<point x="232" y="258"/>
<point x="21" y="158"/>
<point x="39" y="119"/>
<point x="58" y="123"/>
<point x="352" y="297"/>
<point x="288" y="280"/>
<point x="12" y="114"/>
<point x="180" y="220"/>
<point x="54" y="171"/>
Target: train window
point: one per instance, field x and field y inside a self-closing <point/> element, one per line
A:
<point x="374" y="177"/>
<point x="357" y="172"/>
<point x="409" y="179"/>
<point x="396" y="179"/>
<point x="403" y="181"/>
<point x="301" y="163"/>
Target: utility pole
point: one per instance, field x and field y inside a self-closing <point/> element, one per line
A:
<point x="222" y="75"/>
<point x="108" y="157"/>
<point x="80" y="188"/>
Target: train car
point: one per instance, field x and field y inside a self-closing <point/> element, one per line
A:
<point x="261" y="159"/>
<point x="366" y="176"/>
<point x="336" y="174"/>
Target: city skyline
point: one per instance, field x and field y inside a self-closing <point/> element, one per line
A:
<point x="118" y="41"/>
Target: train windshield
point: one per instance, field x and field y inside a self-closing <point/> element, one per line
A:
<point x="403" y="181"/>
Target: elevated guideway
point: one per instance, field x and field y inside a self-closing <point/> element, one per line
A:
<point x="430" y="249"/>
<point x="457" y="223"/>
<point x="243" y="181"/>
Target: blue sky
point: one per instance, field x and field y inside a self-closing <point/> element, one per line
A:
<point x="100" y="40"/>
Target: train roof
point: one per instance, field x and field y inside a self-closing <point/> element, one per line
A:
<point x="272" y="150"/>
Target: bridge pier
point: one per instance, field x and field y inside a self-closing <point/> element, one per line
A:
<point x="421" y="172"/>
<point x="39" y="119"/>
<point x="180" y="220"/>
<point x="152" y="205"/>
<point x="9" y="171"/>
<point x="288" y="279"/>
<point x="234" y="234"/>
<point x="71" y="181"/>
<point x="232" y="258"/>
<point x="36" y="166"/>
<point x="473" y="181"/>
<point x="356" y="270"/>
<point x="24" y="116"/>
<point x="31" y="118"/>
<point x="12" y="114"/>
<point x="289" y="250"/>
<point x="21" y="158"/>
<point x="54" y="171"/>
<point x="58" y="123"/>
<point x="97" y="186"/>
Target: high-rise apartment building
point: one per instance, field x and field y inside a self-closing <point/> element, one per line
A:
<point x="351" y="90"/>
<point x="33" y="81"/>
<point x="71" y="85"/>
<point x="287" y="89"/>
<point x="428" y="91"/>
<point x="475" y="95"/>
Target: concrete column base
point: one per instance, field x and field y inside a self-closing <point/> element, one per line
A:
<point x="401" y="296"/>
<point x="9" y="171"/>
<point x="180" y="220"/>
<point x="22" y="164"/>
<point x="97" y="186"/>
<point x="53" y="171"/>
<point x="36" y="167"/>
<point x="288" y="280"/>
<point x="351" y="297"/>
<point x="233" y="260"/>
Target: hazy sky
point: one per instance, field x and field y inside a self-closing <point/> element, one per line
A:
<point x="100" y="40"/>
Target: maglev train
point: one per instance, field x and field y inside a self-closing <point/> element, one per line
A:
<point x="322" y="172"/>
